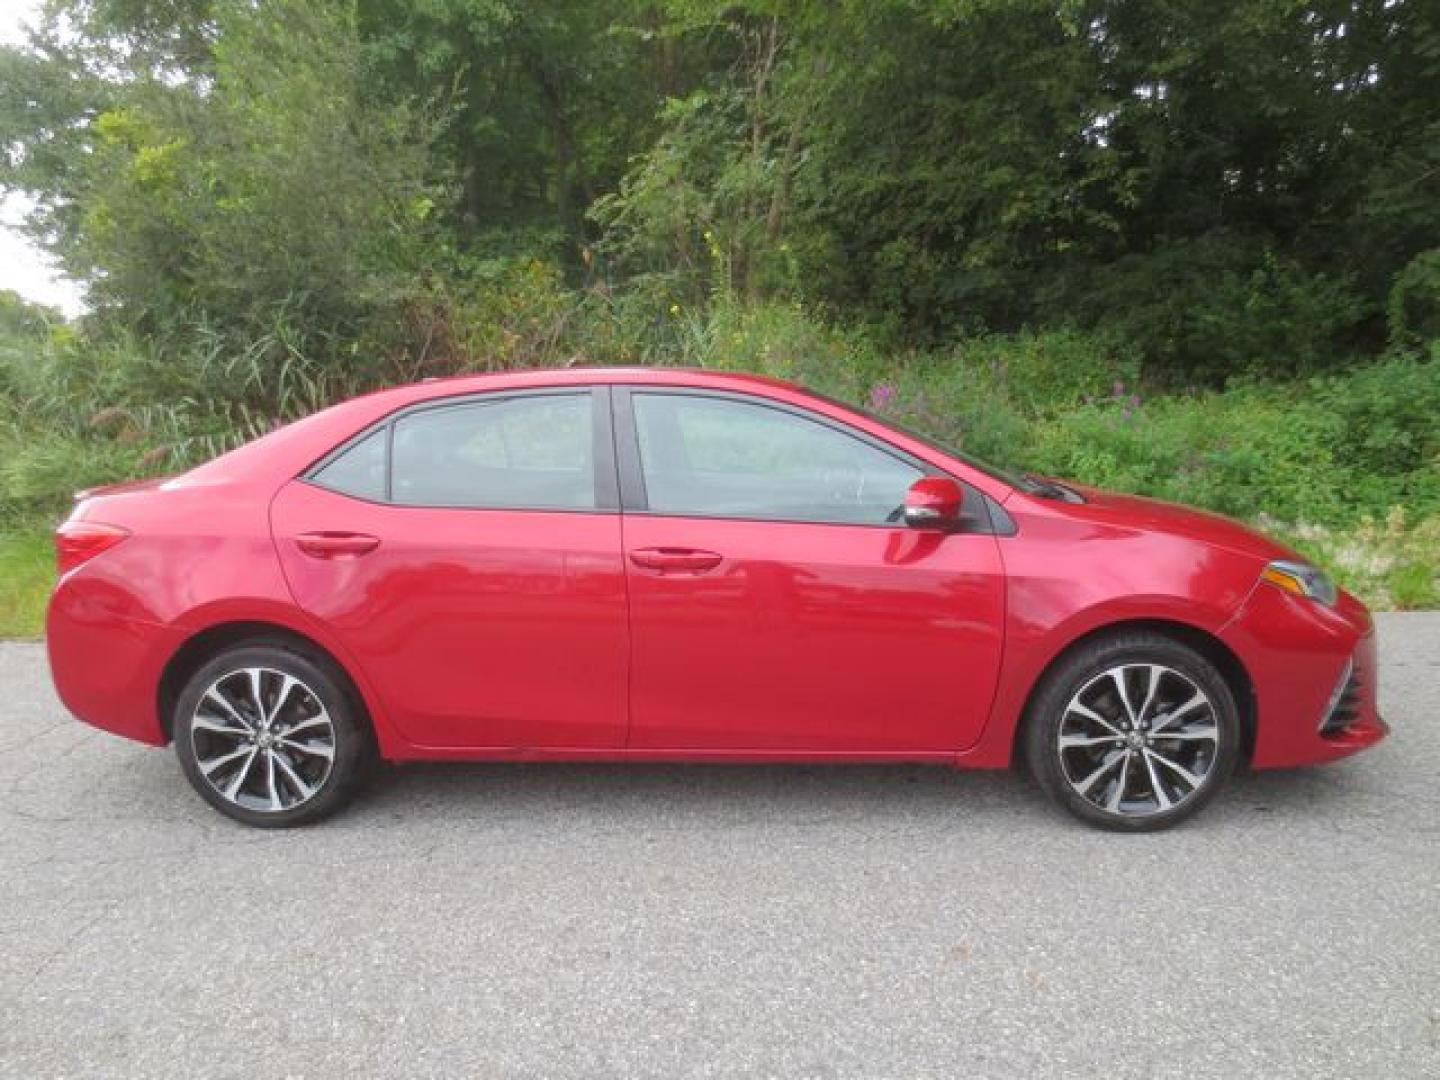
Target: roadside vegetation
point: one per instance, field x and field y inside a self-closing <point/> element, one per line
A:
<point x="1191" y="252"/>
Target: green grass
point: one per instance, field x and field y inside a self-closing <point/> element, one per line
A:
<point x="27" y="573"/>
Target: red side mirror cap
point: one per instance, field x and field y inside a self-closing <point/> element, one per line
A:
<point x="933" y="502"/>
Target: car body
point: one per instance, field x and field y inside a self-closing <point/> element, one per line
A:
<point x="644" y="606"/>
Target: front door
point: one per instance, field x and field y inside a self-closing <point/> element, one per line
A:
<point x="467" y="555"/>
<point x="777" y="603"/>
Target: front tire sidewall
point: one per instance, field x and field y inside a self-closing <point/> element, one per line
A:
<point x="1044" y="718"/>
<point x="352" y="746"/>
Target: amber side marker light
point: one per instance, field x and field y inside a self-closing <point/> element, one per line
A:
<point x="77" y="542"/>
<point x="1302" y="579"/>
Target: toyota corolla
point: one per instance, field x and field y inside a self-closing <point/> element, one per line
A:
<point x="646" y="565"/>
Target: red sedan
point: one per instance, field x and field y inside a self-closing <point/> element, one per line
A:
<point x="687" y="566"/>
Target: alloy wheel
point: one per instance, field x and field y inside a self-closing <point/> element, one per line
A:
<point x="1139" y="740"/>
<point x="262" y="739"/>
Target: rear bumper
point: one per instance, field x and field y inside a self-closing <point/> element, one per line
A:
<point x="1299" y="654"/>
<point x="107" y="666"/>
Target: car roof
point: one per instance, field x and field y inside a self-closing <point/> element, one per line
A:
<point x="583" y="375"/>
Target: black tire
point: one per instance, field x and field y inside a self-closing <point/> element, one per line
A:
<point x="318" y="716"/>
<point x="1180" y="739"/>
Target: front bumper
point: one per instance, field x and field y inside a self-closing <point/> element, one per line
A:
<point x="1296" y="653"/>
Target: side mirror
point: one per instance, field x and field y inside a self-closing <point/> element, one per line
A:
<point x="933" y="502"/>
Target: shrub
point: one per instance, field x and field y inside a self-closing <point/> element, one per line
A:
<point x="1044" y="371"/>
<point x="780" y="339"/>
<point x="1413" y="308"/>
<point x="39" y="477"/>
<point x="959" y="404"/>
<point x="1333" y="450"/>
<point x="1208" y="308"/>
<point x="1389" y="414"/>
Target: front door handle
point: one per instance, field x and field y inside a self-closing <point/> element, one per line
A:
<point x="673" y="559"/>
<point x="336" y="545"/>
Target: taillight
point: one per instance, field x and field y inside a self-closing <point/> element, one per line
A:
<point x="77" y="542"/>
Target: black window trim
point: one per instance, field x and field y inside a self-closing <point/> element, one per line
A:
<point x="989" y="518"/>
<point x="607" y="487"/>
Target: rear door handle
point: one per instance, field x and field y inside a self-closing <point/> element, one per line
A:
<point x="336" y="545"/>
<point x="672" y="559"/>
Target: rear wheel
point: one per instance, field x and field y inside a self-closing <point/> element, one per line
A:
<point x="1133" y="732"/>
<point x="269" y="736"/>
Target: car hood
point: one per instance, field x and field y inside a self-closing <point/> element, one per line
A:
<point x="1153" y="515"/>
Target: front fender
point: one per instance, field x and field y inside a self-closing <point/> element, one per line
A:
<point x="1066" y="580"/>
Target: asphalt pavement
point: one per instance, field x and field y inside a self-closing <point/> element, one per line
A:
<point x="670" y="922"/>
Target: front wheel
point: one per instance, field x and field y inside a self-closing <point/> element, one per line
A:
<point x="1133" y="732"/>
<point x="269" y="736"/>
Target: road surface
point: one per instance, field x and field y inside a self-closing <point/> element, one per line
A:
<point x="669" y="922"/>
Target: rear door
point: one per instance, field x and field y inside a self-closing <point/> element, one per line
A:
<point x="776" y="601"/>
<point x="467" y="554"/>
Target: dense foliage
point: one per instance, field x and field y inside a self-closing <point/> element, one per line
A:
<point x="1189" y="249"/>
<point x="1236" y="186"/>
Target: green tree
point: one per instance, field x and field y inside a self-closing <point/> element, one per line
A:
<point x="227" y="183"/>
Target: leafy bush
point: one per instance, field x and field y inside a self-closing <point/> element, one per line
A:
<point x="1045" y="371"/>
<point x="958" y="403"/>
<point x="779" y="339"/>
<point x="80" y="408"/>
<point x="1333" y="449"/>
<point x="1413" y="310"/>
<point x="1214" y="307"/>
<point x="1233" y="453"/>
<point x="1389" y="412"/>
<point x="40" y="476"/>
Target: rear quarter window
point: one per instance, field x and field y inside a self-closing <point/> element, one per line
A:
<point x="358" y="470"/>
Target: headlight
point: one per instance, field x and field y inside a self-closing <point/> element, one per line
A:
<point x="1302" y="579"/>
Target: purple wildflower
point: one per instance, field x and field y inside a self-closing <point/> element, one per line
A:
<point x="882" y="396"/>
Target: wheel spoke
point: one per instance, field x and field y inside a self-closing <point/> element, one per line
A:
<point x="1094" y="717"/>
<point x="1178" y="769"/>
<point x="286" y="688"/>
<point x="275" y="803"/>
<point x="1084" y="786"/>
<point x="209" y="765"/>
<point x="233" y="788"/>
<point x="1156" y="671"/>
<point x="213" y="695"/>
<point x="206" y="724"/>
<point x="322" y="720"/>
<point x="301" y="788"/>
<point x="1072" y="742"/>
<point x="1190" y="706"/>
<point x="257" y="694"/>
<point x="1118" y="795"/>
<point x="1117" y="676"/>
<point x="319" y="750"/>
<point x="1208" y="733"/>
<point x="1160" y="795"/>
